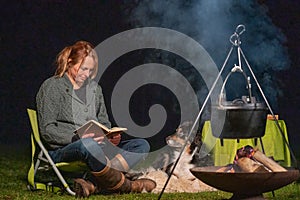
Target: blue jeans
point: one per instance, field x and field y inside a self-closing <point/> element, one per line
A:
<point x="94" y="155"/>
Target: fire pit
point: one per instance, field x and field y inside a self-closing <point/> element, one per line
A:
<point x="245" y="185"/>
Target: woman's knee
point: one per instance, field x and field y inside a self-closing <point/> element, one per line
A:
<point x="142" y="146"/>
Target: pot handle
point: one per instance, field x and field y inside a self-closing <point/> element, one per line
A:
<point x="238" y="101"/>
<point x="222" y="96"/>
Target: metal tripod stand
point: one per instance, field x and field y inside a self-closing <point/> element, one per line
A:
<point x="235" y="41"/>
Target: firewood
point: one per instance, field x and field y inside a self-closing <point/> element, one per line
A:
<point x="228" y="168"/>
<point x="268" y="162"/>
<point x="248" y="165"/>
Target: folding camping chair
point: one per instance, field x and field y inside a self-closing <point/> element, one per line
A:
<point x="43" y="162"/>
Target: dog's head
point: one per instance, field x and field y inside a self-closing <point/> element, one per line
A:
<point x="179" y="138"/>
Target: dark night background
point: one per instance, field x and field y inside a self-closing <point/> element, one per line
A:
<point x="33" y="33"/>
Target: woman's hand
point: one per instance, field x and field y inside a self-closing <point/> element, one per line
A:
<point x="115" y="139"/>
<point x="97" y="139"/>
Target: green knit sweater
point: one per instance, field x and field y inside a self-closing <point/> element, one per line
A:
<point x="60" y="111"/>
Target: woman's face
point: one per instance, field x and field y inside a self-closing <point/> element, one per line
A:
<point x="82" y="70"/>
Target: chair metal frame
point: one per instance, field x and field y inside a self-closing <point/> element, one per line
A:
<point x="43" y="162"/>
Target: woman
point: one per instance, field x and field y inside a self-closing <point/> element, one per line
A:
<point x="68" y="100"/>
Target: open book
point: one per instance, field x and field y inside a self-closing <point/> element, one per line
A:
<point x="98" y="129"/>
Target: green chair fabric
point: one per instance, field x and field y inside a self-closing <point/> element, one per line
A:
<point x="43" y="162"/>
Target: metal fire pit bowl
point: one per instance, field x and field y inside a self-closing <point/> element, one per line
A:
<point x="245" y="185"/>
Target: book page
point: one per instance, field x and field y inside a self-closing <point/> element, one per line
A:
<point x="90" y="127"/>
<point x="98" y="129"/>
<point x="114" y="129"/>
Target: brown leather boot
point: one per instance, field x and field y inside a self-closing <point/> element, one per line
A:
<point x="114" y="181"/>
<point x="142" y="185"/>
<point x="83" y="188"/>
<point x="119" y="163"/>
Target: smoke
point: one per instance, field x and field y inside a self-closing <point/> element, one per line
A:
<point x="211" y="23"/>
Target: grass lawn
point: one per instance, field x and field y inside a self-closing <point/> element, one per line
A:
<point x="15" y="162"/>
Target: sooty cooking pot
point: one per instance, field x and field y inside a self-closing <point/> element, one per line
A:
<point x="243" y="118"/>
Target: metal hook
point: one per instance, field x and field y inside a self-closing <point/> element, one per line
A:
<point x="235" y="37"/>
<point x="240" y="29"/>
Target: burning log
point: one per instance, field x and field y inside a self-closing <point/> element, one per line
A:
<point x="248" y="165"/>
<point x="228" y="168"/>
<point x="249" y="160"/>
<point x="268" y="162"/>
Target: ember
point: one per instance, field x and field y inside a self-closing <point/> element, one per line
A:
<point x="246" y="151"/>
